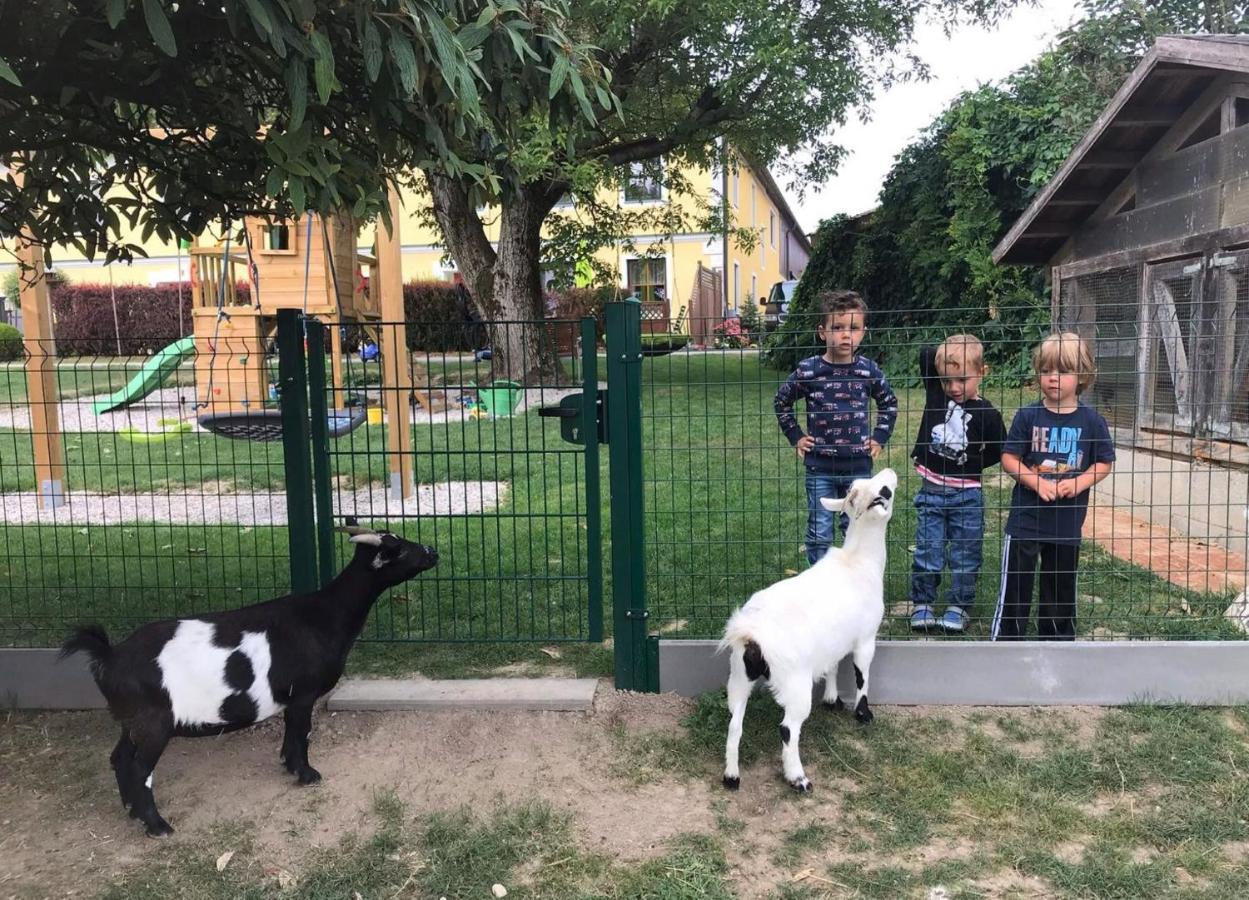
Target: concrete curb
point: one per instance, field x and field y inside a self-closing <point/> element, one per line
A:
<point x="549" y="694"/>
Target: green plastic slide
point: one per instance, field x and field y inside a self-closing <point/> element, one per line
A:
<point x="154" y="373"/>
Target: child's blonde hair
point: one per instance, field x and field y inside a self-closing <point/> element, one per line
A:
<point x="1068" y="353"/>
<point x="960" y="354"/>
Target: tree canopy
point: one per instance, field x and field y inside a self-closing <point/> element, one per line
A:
<point x="169" y="116"/>
<point x="922" y="258"/>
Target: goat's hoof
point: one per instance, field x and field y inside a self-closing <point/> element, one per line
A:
<point x="864" y="715"/>
<point x="732" y="783"/>
<point x="309" y="775"/>
<point x="836" y="706"/>
<point x="159" y="828"/>
<point x="802" y="785"/>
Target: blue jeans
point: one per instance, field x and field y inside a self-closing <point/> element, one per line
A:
<point x="949" y="530"/>
<point x="820" y="520"/>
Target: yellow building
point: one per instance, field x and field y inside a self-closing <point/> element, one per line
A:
<point x="665" y="271"/>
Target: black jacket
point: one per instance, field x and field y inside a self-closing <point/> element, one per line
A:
<point x="957" y="441"/>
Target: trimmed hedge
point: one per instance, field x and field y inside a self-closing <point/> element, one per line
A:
<point x="147" y="318"/>
<point x="10" y="343"/>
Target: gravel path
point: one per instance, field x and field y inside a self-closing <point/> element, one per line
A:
<point x="454" y="498"/>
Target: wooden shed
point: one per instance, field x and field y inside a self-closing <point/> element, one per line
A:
<point x="1145" y="232"/>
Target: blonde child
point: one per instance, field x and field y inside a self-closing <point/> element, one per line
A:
<point x="960" y="435"/>
<point x="1056" y="450"/>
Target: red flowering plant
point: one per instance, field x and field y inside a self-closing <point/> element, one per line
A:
<point x="730" y="336"/>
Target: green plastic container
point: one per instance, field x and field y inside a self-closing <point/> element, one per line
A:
<point x="500" y="398"/>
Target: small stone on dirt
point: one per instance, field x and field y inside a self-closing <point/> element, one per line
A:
<point x="224" y="860"/>
<point x="498" y="890"/>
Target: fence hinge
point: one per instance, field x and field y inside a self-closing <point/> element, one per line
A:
<point x="637" y="614"/>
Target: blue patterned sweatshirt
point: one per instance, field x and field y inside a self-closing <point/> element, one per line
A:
<point x="836" y="397"/>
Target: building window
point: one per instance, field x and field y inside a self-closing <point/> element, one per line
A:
<point x="645" y="181"/>
<point x="772" y="228"/>
<point x="278" y="238"/>
<point x="647" y="278"/>
<point x="737" y="183"/>
<point x="565" y="202"/>
<point x="752" y="204"/>
<point x="737" y="286"/>
<point x="754" y="289"/>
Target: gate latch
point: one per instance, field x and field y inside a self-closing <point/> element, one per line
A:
<point x="569" y="413"/>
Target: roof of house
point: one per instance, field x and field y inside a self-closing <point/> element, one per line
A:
<point x="1175" y="72"/>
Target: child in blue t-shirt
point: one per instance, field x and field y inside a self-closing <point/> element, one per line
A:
<point x="1056" y="450"/>
<point x="837" y="388"/>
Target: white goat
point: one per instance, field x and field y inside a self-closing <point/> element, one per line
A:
<point x="798" y="630"/>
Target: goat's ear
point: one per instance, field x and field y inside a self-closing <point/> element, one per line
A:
<point x="832" y="505"/>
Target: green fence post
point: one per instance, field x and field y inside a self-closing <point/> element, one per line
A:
<point x="628" y="556"/>
<point x="293" y="382"/>
<point x="593" y="491"/>
<point x="318" y="406"/>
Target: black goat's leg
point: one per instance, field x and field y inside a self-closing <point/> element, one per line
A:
<point x="295" y="743"/>
<point x="149" y="742"/>
<point x="122" y="760"/>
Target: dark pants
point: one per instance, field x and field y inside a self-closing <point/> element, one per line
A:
<point x="949" y="530"/>
<point x="820" y="520"/>
<point x="1056" y="613"/>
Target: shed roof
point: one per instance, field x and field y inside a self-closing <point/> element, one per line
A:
<point x="1172" y="75"/>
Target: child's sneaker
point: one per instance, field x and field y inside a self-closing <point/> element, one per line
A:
<point x="954" y="619"/>
<point x="923" y="619"/>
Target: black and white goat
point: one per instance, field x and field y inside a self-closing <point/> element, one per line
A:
<point x="228" y="670"/>
<point x="798" y="630"/>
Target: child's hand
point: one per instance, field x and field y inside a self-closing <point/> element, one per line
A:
<point x="1047" y="490"/>
<point x="1068" y="487"/>
<point x="804" y="445"/>
<point x="873" y="448"/>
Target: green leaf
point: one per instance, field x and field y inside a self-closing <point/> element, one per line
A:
<point x="260" y="17"/>
<point x="297" y="87"/>
<point x="158" y="27"/>
<point x="405" y="62"/>
<point x="323" y="66"/>
<point x="578" y="88"/>
<point x="295" y="185"/>
<point x="114" y="12"/>
<point x="472" y="35"/>
<point x="444" y="47"/>
<point x="371" y="44"/>
<point x="273" y="184"/>
<point x="559" y="71"/>
<point x="8" y="74"/>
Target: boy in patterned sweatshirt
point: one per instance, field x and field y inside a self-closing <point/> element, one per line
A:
<point x="840" y="442"/>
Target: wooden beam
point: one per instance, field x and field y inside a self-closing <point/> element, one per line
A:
<point x="1080" y="197"/>
<point x="43" y="396"/>
<point x="1149" y="116"/>
<point x="396" y="371"/>
<point x="1109" y="159"/>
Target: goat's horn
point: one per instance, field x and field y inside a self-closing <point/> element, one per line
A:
<point x="354" y="530"/>
<point x="370" y="538"/>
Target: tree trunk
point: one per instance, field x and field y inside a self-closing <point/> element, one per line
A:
<point x="505" y="284"/>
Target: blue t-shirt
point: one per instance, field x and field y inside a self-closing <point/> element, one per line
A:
<point x="1057" y="446"/>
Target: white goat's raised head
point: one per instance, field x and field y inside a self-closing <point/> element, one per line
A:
<point x="867" y="496"/>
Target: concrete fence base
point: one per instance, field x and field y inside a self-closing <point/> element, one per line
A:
<point x="1026" y="673"/>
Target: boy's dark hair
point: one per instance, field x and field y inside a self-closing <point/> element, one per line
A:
<point x="832" y="303"/>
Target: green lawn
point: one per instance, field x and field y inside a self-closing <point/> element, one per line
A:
<point x="725" y="513"/>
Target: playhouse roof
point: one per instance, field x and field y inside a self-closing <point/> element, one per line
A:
<point x="1175" y="72"/>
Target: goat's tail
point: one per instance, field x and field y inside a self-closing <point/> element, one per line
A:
<point x="738" y="635"/>
<point x="93" y="641"/>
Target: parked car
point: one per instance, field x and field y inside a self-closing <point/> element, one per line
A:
<point x="776" y="310"/>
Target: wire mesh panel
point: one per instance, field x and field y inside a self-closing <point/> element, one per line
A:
<point x="1105" y="308"/>
<point x="1161" y="552"/>
<point x="118" y="506"/>
<point x="480" y="474"/>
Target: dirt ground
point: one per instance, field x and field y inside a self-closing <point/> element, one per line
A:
<point x="63" y="831"/>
